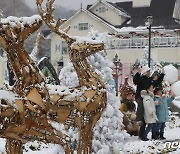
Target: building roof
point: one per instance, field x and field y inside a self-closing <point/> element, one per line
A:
<point x="161" y="10"/>
<point x="119" y="10"/>
<point x="46" y="32"/>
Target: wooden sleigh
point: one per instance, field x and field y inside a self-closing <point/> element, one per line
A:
<point x="29" y="115"/>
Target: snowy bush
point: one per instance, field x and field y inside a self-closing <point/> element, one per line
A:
<point x="171" y="74"/>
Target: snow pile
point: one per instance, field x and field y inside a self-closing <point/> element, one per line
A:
<point x="56" y="89"/>
<point x="171" y="74"/>
<point x="35" y="50"/>
<point x="8" y="96"/>
<point x="36" y="147"/>
<point x="68" y="76"/>
<point x="2" y="145"/>
<point x="94" y="37"/>
<point x="2" y="74"/>
<point x="15" y="21"/>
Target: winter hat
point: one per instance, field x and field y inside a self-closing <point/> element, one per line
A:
<point x="145" y="69"/>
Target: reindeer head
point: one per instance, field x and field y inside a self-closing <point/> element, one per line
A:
<point x="78" y="50"/>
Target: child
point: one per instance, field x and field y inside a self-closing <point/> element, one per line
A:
<point x="149" y="110"/>
<point x="162" y="112"/>
<point x="128" y="108"/>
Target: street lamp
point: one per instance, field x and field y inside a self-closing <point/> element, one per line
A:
<point x="149" y="22"/>
<point x="118" y="67"/>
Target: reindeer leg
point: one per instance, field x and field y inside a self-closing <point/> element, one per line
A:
<point x="85" y="140"/>
<point x="86" y="134"/>
<point x="14" y="146"/>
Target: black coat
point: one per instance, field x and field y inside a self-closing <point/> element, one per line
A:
<point x="142" y="81"/>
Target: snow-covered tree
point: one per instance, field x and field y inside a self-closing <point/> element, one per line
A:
<point x="108" y="134"/>
<point x="145" y="55"/>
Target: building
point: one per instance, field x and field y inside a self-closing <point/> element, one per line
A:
<point x="127" y="33"/>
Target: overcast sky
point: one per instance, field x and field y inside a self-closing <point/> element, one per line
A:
<point x="72" y="4"/>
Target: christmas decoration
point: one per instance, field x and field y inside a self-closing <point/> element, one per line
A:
<point x="175" y="88"/>
<point x="28" y="112"/>
<point x="171" y="74"/>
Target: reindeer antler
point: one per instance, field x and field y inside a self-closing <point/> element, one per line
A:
<point x="51" y="22"/>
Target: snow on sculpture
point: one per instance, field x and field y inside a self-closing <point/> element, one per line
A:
<point x="84" y="108"/>
<point x="2" y="74"/>
<point x="29" y="114"/>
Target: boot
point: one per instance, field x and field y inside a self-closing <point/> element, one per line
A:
<point x="162" y="136"/>
<point x="154" y="136"/>
<point x="144" y="139"/>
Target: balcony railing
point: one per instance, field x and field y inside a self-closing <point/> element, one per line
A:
<point x="126" y="43"/>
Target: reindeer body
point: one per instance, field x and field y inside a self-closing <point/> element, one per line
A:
<point x="27" y="118"/>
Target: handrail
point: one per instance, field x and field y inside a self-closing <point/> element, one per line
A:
<point x="126" y="43"/>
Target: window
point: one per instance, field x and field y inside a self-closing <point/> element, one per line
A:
<point x="83" y="26"/>
<point x="64" y="48"/>
<point x="75" y="27"/>
<point x="102" y="9"/>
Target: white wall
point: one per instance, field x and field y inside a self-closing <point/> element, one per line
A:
<point x="85" y="18"/>
<point x="141" y="3"/>
<point x="55" y="49"/>
<point x="158" y="54"/>
<point x="110" y="15"/>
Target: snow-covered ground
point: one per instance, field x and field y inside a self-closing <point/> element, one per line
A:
<point x="172" y="133"/>
<point x="132" y="145"/>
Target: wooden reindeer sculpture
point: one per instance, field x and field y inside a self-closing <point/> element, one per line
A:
<point x="26" y="117"/>
<point x="85" y="109"/>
